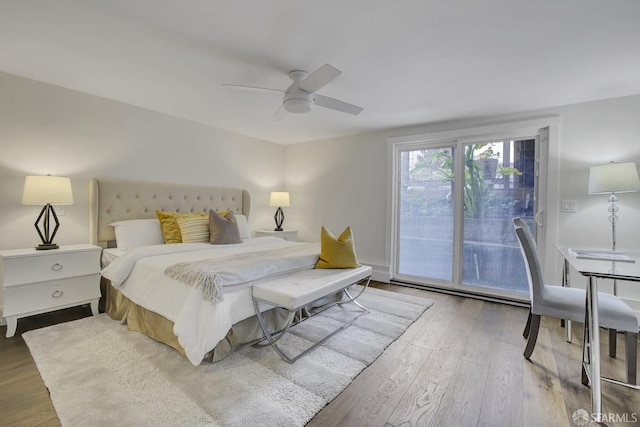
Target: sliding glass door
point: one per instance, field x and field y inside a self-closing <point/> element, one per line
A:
<point x="500" y="185"/>
<point x="426" y="216"/>
<point x="455" y="203"/>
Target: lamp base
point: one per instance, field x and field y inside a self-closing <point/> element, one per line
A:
<point x="279" y="217"/>
<point x="47" y="238"/>
<point x="47" y="247"/>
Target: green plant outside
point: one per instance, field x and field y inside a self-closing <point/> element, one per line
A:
<point x="477" y="198"/>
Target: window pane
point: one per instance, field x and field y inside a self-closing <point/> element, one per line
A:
<point x="426" y="213"/>
<point x="499" y="185"/>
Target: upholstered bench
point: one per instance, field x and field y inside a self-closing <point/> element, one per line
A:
<point x="298" y="290"/>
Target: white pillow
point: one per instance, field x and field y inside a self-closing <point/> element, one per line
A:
<point x="243" y="227"/>
<point x="134" y="233"/>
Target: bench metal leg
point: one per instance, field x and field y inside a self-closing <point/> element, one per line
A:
<point x="353" y="299"/>
<point x="273" y="337"/>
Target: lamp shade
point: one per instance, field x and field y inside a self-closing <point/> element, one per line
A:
<point x="614" y="178"/>
<point x="279" y="199"/>
<point x="40" y="190"/>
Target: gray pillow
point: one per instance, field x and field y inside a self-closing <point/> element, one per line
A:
<point x="224" y="229"/>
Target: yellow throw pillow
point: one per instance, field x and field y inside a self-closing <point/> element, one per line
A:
<point x="170" y="227"/>
<point x="194" y="229"/>
<point x="337" y="253"/>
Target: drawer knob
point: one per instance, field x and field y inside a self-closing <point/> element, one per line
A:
<point x="57" y="294"/>
<point x="56" y="267"/>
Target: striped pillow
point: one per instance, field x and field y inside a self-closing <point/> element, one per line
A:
<point x="170" y="227"/>
<point x="194" y="229"/>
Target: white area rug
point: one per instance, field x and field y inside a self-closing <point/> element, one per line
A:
<point x="100" y="374"/>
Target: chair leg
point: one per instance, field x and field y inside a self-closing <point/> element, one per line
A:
<point x="631" y="354"/>
<point x="533" y="335"/>
<point x="612" y="342"/>
<point x="527" y="327"/>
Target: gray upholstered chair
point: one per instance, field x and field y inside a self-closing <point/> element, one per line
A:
<point x="569" y="304"/>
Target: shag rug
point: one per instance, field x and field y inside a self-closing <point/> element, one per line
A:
<point x="100" y="374"/>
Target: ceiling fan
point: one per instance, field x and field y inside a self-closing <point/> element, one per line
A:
<point x="301" y="96"/>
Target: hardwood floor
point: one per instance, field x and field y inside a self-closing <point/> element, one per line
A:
<point x="24" y="399"/>
<point x="460" y="364"/>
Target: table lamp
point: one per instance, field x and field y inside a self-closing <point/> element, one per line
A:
<point x="279" y="199"/>
<point x="610" y="179"/>
<point x="47" y="190"/>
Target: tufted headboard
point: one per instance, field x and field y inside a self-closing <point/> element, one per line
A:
<point x="116" y="200"/>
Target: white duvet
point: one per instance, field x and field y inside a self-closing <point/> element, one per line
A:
<point x="198" y="324"/>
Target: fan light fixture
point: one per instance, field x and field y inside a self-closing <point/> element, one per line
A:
<point x="298" y="105"/>
<point x="301" y="96"/>
<point x="48" y="190"/>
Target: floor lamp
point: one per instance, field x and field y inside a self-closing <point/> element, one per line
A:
<point x="610" y="179"/>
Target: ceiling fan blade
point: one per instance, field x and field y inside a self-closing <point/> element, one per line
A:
<point x="334" y="104"/>
<point x="253" y="88"/>
<point x="316" y="80"/>
<point x="279" y="114"/>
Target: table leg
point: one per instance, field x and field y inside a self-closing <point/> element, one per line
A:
<point x="594" y="346"/>
<point x="566" y="283"/>
<point x="586" y="344"/>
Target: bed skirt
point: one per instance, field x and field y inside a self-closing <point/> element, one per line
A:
<point x="158" y="327"/>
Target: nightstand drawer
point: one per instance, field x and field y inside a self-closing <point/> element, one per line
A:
<point x="30" y="269"/>
<point x="24" y="299"/>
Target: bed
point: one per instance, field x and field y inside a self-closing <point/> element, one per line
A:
<point x="138" y="291"/>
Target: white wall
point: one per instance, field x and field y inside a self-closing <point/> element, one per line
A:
<point x="596" y="133"/>
<point x="337" y="182"/>
<point x="343" y="181"/>
<point x="46" y="129"/>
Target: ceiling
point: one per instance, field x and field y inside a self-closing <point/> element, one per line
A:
<point x="406" y="62"/>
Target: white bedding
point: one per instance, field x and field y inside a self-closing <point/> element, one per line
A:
<point x="111" y="254"/>
<point x="198" y="324"/>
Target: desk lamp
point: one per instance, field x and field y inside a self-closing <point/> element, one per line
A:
<point x="279" y="199"/>
<point x="47" y="190"/>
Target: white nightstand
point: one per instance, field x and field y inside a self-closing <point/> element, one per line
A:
<point x="34" y="282"/>
<point x="291" y="235"/>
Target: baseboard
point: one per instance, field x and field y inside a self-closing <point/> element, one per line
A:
<point x="380" y="273"/>
<point x="459" y="293"/>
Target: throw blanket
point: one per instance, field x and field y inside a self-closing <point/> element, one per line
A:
<point x="211" y="276"/>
